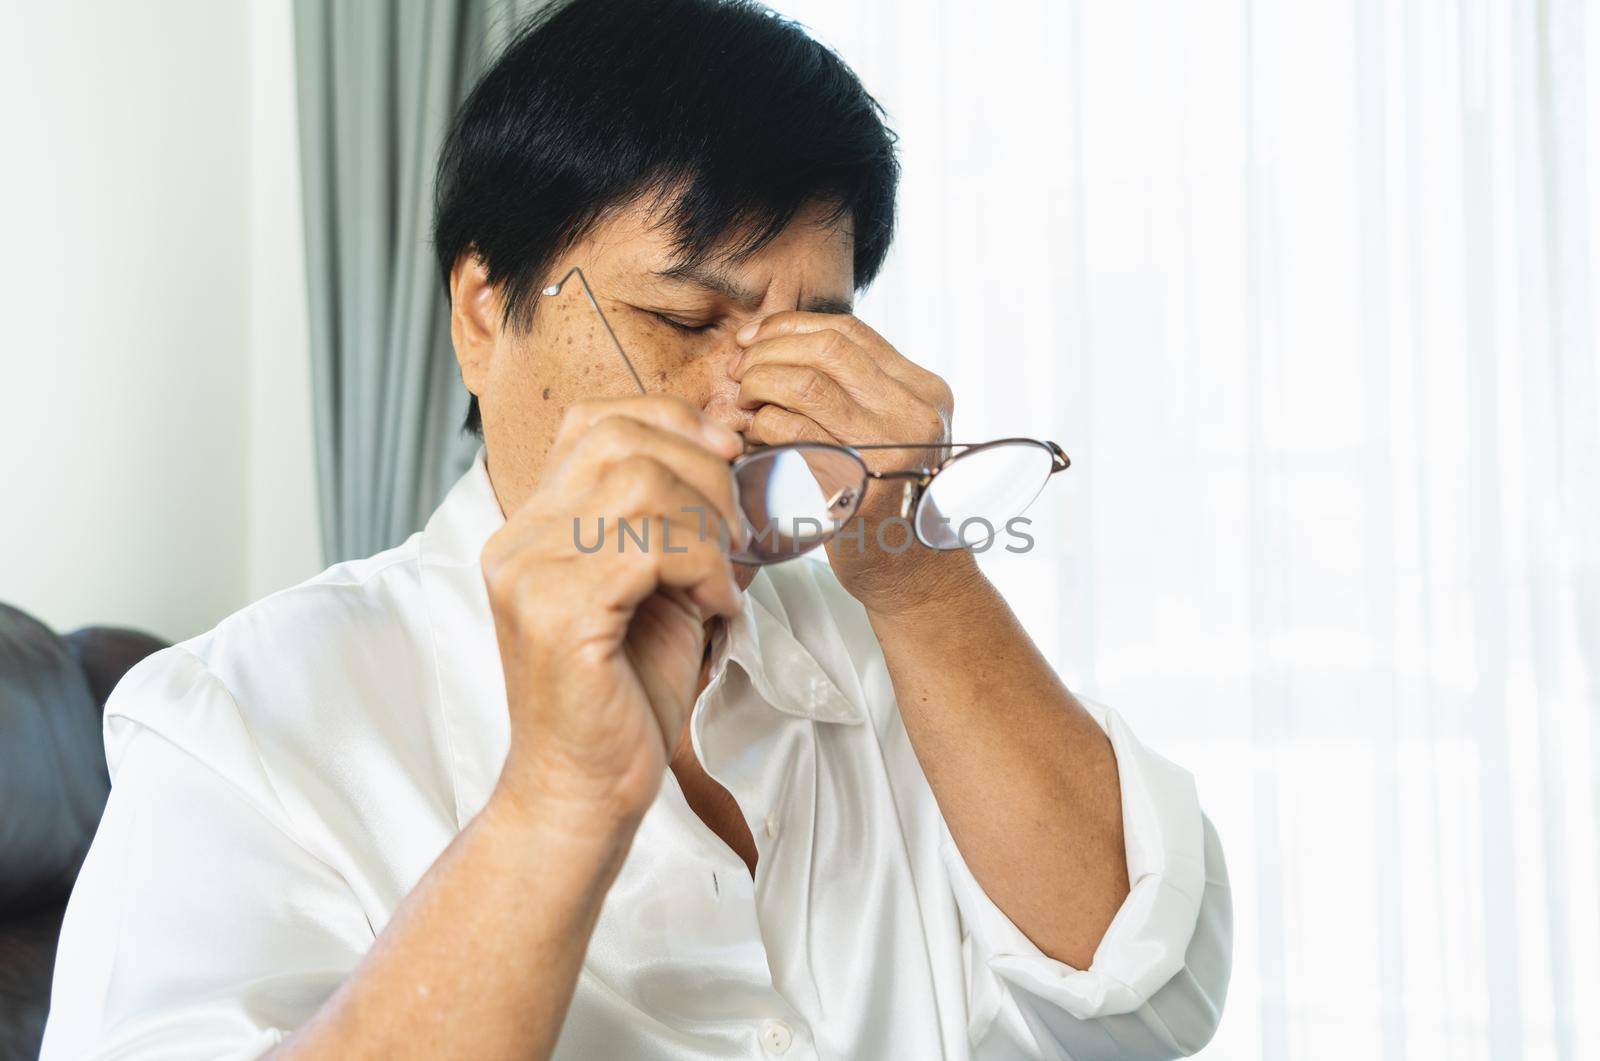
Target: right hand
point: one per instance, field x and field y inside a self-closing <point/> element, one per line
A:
<point x="602" y="649"/>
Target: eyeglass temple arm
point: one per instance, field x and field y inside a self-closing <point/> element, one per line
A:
<point x="1059" y="461"/>
<point x="555" y="289"/>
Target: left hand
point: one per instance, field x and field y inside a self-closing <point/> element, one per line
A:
<point x="827" y="377"/>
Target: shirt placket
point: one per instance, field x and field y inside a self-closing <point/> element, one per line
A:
<point x="764" y="759"/>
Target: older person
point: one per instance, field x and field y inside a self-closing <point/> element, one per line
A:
<point x="496" y="793"/>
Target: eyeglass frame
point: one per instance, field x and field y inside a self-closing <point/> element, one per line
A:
<point x="917" y="479"/>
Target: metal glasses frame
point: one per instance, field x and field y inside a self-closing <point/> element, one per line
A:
<point x="916" y="480"/>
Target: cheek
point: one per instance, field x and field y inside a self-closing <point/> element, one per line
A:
<point x="530" y="384"/>
<point x="549" y="368"/>
<point x="707" y="385"/>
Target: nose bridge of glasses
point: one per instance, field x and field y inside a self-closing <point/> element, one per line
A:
<point x="913" y="478"/>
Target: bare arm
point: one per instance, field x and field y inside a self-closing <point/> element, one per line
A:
<point x="601" y="653"/>
<point x="481" y="958"/>
<point x="1024" y="777"/>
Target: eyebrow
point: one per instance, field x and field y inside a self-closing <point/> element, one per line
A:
<point x="745" y="298"/>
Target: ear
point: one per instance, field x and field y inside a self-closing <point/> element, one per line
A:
<point x="474" y="319"/>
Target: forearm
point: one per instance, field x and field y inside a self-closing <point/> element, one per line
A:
<point x="481" y="959"/>
<point x="1025" y="778"/>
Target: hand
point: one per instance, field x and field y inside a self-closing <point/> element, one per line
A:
<point x="827" y="377"/>
<point x="602" y="648"/>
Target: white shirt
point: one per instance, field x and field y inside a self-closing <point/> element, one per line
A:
<point x="282" y="781"/>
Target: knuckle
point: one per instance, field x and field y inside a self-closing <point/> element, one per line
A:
<point x="499" y="560"/>
<point x="613" y="433"/>
<point x="811" y="386"/>
<point x="641" y="476"/>
<point x="496" y="584"/>
<point x="511" y="591"/>
<point x="705" y="556"/>
<point x="492" y="554"/>
<point x="580" y="412"/>
<point x="769" y="421"/>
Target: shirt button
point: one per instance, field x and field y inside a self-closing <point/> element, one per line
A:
<point x="776" y="1036"/>
<point x="772" y="825"/>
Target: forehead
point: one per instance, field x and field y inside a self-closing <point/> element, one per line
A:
<point x="814" y="252"/>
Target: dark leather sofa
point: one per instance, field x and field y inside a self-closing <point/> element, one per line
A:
<point x="53" y="787"/>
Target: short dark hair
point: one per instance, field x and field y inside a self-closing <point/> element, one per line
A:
<point x="731" y="114"/>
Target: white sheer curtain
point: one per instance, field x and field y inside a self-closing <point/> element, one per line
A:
<point x="1308" y="293"/>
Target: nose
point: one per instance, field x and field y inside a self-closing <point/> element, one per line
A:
<point x="721" y="403"/>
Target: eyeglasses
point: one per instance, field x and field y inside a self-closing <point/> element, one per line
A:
<point x="797" y="496"/>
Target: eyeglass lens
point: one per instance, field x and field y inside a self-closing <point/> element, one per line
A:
<point x="796" y="498"/>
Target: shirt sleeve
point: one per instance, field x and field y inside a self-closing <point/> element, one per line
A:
<point x="1156" y="986"/>
<point x="198" y="926"/>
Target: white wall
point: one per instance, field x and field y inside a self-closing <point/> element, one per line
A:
<point x="281" y="510"/>
<point x="154" y="429"/>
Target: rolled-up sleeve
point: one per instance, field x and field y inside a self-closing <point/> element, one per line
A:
<point x="1156" y="986"/>
<point x="198" y="926"/>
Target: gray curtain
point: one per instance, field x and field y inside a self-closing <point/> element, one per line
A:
<point x="378" y="83"/>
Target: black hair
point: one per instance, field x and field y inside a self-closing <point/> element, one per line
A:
<point x="733" y="117"/>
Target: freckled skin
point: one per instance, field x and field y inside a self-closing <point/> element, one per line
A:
<point x="567" y="354"/>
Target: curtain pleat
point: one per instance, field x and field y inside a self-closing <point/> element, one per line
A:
<point x="1309" y="294"/>
<point x="378" y="84"/>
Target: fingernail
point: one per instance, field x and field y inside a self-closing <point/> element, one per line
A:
<point x="748" y="332"/>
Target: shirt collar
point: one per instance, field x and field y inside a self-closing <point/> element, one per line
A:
<point x="759" y="638"/>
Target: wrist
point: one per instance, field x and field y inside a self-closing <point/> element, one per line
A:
<point x="542" y="820"/>
<point x="920" y="583"/>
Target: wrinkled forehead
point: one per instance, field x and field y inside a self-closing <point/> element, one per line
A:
<point x="813" y="251"/>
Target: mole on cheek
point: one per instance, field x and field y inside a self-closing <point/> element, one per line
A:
<point x="546" y="394"/>
<point x="661" y="376"/>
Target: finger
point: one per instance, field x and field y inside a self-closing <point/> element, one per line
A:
<point x="799" y="322"/>
<point x="774" y="425"/>
<point x="630" y="568"/>
<point x="664" y="411"/>
<point x="858" y="332"/>
<point x="805" y="390"/>
<point x="671" y="479"/>
<point x="660" y="683"/>
<point x="829" y="350"/>
<point x="588" y="570"/>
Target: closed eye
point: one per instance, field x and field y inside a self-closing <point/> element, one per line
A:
<point x="683" y="326"/>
